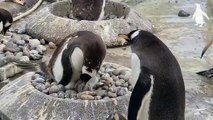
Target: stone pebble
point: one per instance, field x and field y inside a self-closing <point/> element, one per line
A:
<point x="112" y="83"/>
<point x="22" y="45"/>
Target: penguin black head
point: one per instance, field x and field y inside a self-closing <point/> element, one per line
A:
<point x="130" y="37"/>
<point x="6" y="20"/>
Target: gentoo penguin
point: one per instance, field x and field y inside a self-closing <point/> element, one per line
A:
<point x="198" y="16"/>
<point x="6" y="20"/>
<point x="79" y="56"/>
<point x="159" y="92"/>
<point x="21" y="2"/>
<point x="88" y="9"/>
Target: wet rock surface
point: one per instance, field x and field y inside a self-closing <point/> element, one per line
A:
<point x="110" y="85"/>
<point x="183" y="13"/>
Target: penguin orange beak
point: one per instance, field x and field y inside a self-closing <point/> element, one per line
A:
<point x="205" y="48"/>
<point x="123" y="38"/>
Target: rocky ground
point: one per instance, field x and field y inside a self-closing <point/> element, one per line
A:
<point x="186" y="41"/>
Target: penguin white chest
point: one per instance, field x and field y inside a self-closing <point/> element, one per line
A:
<point x="135" y="62"/>
<point x="58" y="67"/>
<point x="1" y="26"/>
<point x="77" y="59"/>
<point x="199" y="17"/>
<point x="143" y="113"/>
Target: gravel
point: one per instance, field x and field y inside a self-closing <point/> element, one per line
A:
<point x="113" y="82"/>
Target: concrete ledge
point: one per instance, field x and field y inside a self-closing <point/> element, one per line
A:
<point x="49" y="23"/>
<point x="9" y="70"/>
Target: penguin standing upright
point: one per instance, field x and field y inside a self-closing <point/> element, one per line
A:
<point x="79" y="56"/>
<point x="88" y="9"/>
<point x="198" y="16"/>
<point x="159" y="92"/>
<point x="6" y="20"/>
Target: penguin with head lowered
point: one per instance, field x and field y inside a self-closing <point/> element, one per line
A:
<point x="88" y="9"/>
<point x="159" y="92"/>
<point x="79" y="56"/>
<point x="6" y="20"/>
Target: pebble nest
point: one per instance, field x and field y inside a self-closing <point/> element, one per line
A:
<point x="113" y="82"/>
<point x="23" y="47"/>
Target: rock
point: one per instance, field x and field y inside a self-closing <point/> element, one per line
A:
<point x="15" y="37"/>
<point x="2" y="46"/>
<point x="53" y="83"/>
<point x="2" y="56"/>
<point x="183" y="13"/>
<point x="92" y="93"/>
<point x="126" y="77"/>
<point x="35" y="76"/>
<point x="34" y="83"/>
<point x="125" y="84"/>
<point x="61" y="94"/>
<point x="12" y="47"/>
<point x="9" y="54"/>
<point x="20" y="42"/>
<point x="122" y="81"/>
<point x="116" y="72"/>
<point x="97" y="97"/>
<point x="46" y="91"/>
<point x="122" y="72"/>
<point x="34" y="43"/>
<point x="52" y="45"/>
<point x="41" y="49"/>
<point x="121" y="76"/>
<point x="25" y="37"/>
<point x="105" y="87"/>
<point x="47" y="84"/>
<point x="86" y="97"/>
<point x="19" y="55"/>
<point x="54" y="89"/>
<point x="109" y="81"/>
<point x="118" y="83"/>
<point x="112" y="95"/>
<point x="61" y="87"/>
<point x="42" y="41"/>
<point x="40" y="87"/>
<point x="105" y="76"/>
<point x="26" y="51"/>
<point x="54" y="95"/>
<point x="122" y="91"/>
<point x="115" y="78"/>
<point x="34" y="55"/>
<point x="71" y="93"/>
<point x="101" y="93"/>
<point x="5" y="40"/>
<point x="39" y="80"/>
<point x="24" y="59"/>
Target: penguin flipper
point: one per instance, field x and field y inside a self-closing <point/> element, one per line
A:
<point x="204" y="14"/>
<point x="142" y="87"/>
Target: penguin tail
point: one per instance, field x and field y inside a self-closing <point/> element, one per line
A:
<point x="206" y="73"/>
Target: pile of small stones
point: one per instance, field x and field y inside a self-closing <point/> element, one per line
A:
<point x="113" y="82"/>
<point x="22" y="46"/>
